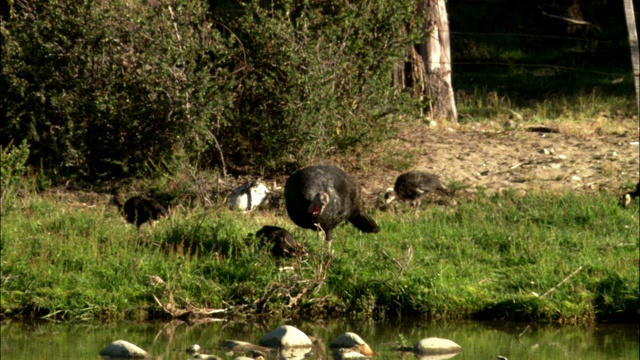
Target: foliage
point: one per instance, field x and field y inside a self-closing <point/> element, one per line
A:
<point x="518" y="59"/>
<point x="100" y="88"/>
<point x="13" y="164"/>
<point x="317" y="78"/>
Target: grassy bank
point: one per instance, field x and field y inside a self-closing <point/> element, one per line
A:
<point x="490" y="257"/>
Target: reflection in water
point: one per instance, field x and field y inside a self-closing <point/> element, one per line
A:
<point x="294" y="353"/>
<point x="437" y="357"/>
<point x="479" y="340"/>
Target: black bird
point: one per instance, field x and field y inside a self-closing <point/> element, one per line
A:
<point x="139" y="209"/>
<point x="321" y="197"/>
<point x="284" y="245"/>
<point x="626" y="198"/>
<point x="413" y="186"/>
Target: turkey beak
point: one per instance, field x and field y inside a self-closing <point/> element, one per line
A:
<point x="315" y="208"/>
<point x="318" y="203"/>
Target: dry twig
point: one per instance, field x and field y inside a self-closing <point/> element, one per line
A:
<point x="561" y="282"/>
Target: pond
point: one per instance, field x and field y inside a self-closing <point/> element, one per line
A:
<point x="479" y="340"/>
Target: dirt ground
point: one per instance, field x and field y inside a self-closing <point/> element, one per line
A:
<point x="494" y="158"/>
<point x="575" y="157"/>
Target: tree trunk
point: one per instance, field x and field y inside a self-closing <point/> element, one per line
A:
<point x="436" y="55"/>
<point x="633" y="45"/>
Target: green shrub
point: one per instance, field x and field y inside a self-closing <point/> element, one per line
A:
<point x="103" y="89"/>
<point x="100" y="88"/>
<point x="14" y="163"/>
<point x="318" y="79"/>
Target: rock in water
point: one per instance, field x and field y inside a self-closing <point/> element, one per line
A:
<point x="285" y="336"/>
<point x="124" y="349"/>
<point x="434" y="345"/>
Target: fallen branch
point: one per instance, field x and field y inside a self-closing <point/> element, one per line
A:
<point x="401" y="265"/>
<point x="561" y="282"/>
<point x="191" y="311"/>
<point x="520" y="335"/>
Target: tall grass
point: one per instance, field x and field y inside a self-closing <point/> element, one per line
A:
<point x="491" y="257"/>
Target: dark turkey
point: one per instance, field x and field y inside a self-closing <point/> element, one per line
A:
<point x="626" y="198"/>
<point x="413" y="186"/>
<point x="321" y="197"/>
<point x="282" y="242"/>
<point x="139" y="209"/>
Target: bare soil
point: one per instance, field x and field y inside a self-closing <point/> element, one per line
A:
<point x="478" y="157"/>
<point x="575" y="157"/>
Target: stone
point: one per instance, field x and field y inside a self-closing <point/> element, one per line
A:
<point x="294" y="353"/>
<point x="353" y="343"/>
<point x="124" y="349"/>
<point x="285" y="336"/>
<point x="436" y="357"/>
<point x="193" y="349"/>
<point x="345" y="353"/>
<point x="243" y="346"/>
<point x="233" y="344"/>
<point x="347" y="340"/>
<point x="206" y="357"/>
<point x="434" y="345"/>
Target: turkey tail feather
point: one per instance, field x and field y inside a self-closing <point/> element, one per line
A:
<point x="365" y="223"/>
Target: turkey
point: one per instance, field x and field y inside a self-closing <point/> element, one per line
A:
<point x="283" y="243"/>
<point x="248" y="196"/>
<point x="139" y="209"/>
<point x="413" y="186"/>
<point x="626" y="198"/>
<point x="321" y="197"/>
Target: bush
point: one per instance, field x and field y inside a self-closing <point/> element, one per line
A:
<point x="318" y="79"/>
<point x="13" y="165"/>
<point x="100" y="88"/>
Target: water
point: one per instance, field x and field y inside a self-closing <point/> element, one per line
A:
<point x="479" y="340"/>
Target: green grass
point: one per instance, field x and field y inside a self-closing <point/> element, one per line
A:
<point x="484" y="259"/>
